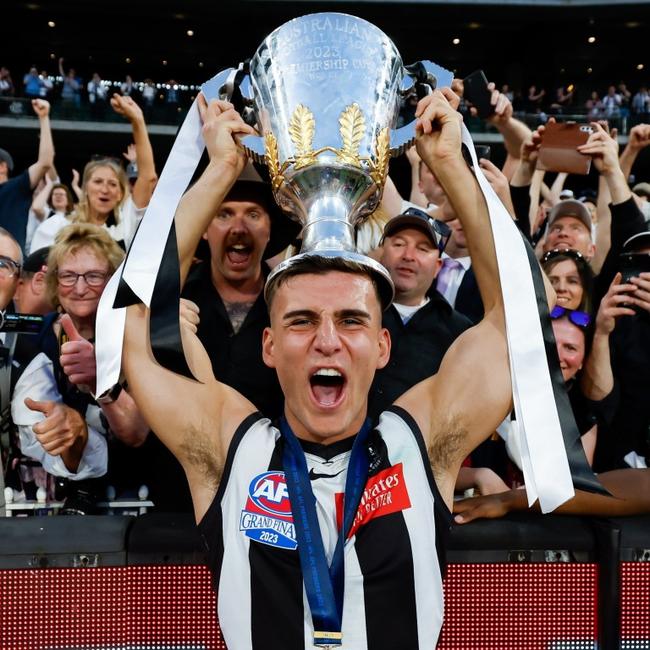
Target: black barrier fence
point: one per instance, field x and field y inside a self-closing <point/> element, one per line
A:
<point x="523" y="582"/>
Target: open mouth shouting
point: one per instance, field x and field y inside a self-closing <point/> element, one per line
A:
<point x="239" y="254"/>
<point x="327" y="387"/>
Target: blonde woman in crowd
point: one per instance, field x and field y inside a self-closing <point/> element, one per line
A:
<point x="106" y="199"/>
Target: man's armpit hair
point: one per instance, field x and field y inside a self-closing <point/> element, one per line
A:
<point x="199" y="452"/>
<point x="446" y="449"/>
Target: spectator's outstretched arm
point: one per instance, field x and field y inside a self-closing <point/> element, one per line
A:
<point x="147" y="178"/>
<point x="391" y="199"/>
<point x="76" y="188"/>
<point x="523" y="176"/>
<point x="612" y="185"/>
<point x="630" y="490"/>
<point x="471" y="394"/>
<point x="39" y="204"/>
<point x="46" y="146"/>
<point x="125" y="420"/>
<point x="514" y="132"/>
<point x="604" y="232"/>
<point x="482" y="479"/>
<point x="497" y="179"/>
<point x="597" y="379"/>
<point x="416" y="196"/>
<point x="626" y="218"/>
<point x="603" y="149"/>
<point x="557" y="187"/>
<point x="638" y="139"/>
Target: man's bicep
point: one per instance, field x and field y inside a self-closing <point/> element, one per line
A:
<point x="36" y="171"/>
<point x="473" y="387"/>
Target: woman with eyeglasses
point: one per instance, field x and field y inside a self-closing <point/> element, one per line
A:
<point x="571" y="277"/>
<point x="60" y="422"/>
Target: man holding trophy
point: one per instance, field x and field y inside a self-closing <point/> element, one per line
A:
<point x="322" y="531"/>
<point x="325" y="342"/>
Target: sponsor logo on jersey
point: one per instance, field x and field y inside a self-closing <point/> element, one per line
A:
<point x="267" y="517"/>
<point x="384" y="494"/>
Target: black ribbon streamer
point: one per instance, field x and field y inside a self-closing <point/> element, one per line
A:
<point x="581" y="473"/>
<point x="164" y="322"/>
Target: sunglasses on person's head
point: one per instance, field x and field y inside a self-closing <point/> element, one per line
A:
<point x="441" y="229"/>
<point x="566" y="252"/>
<point x="577" y="317"/>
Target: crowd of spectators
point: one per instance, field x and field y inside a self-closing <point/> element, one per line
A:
<point x="72" y="97"/>
<point x="59" y="247"/>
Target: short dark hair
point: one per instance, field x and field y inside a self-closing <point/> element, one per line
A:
<point x="319" y="265"/>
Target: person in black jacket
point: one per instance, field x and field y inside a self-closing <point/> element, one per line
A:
<point x="421" y="322"/>
<point x="617" y="372"/>
<point x="248" y="229"/>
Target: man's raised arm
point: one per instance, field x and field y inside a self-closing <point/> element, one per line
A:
<point x="45" y="146"/>
<point x="439" y="146"/>
<point x="471" y="393"/>
<point x="221" y="126"/>
<point x="195" y="419"/>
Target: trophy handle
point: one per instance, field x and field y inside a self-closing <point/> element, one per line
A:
<point x="234" y="85"/>
<point x="219" y="87"/>
<point x="422" y="78"/>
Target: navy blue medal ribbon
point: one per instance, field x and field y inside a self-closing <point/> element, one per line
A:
<point x="324" y="584"/>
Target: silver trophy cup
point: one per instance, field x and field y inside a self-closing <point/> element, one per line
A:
<point x="325" y="92"/>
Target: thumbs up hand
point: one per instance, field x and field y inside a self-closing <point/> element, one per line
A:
<point x="78" y="357"/>
<point x="62" y="427"/>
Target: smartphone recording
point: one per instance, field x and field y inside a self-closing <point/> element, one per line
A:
<point x="558" y="151"/>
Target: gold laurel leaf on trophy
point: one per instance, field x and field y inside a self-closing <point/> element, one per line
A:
<point x="273" y="160"/>
<point x="382" y="156"/>
<point x="301" y="130"/>
<point x="352" y="129"/>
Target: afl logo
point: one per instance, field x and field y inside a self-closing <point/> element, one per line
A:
<point x="266" y="518"/>
<point x="269" y="493"/>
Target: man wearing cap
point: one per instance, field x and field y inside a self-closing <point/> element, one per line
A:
<point x="247" y="229"/>
<point x="569" y="226"/>
<point x="421" y="323"/>
<point x="16" y="193"/>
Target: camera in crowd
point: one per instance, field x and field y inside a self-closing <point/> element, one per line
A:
<point x="21" y="323"/>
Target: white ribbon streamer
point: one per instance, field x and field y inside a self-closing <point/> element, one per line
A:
<point x="545" y="465"/>
<point x="140" y="269"/>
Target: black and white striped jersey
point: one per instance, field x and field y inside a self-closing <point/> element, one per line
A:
<point x="393" y="555"/>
